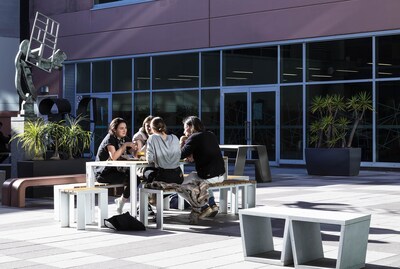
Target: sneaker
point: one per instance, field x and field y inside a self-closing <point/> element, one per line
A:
<point x="120" y="204"/>
<point x="214" y="212"/>
<point x="205" y="212"/>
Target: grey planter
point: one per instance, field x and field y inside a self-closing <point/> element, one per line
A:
<point x="333" y="161"/>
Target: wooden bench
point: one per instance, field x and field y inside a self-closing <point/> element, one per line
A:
<point x="248" y="188"/>
<point x="302" y="239"/>
<point x="14" y="189"/>
<point x="57" y="192"/>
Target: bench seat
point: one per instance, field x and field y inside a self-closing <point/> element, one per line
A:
<point x="302" y="238"/>
<point x="248" y="188"/>
<point x="14" y="189"/>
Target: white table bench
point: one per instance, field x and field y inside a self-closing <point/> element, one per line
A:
<point x="83" y="198"/>
<point x="302" y="240"/>
<point x="228" y="187"/>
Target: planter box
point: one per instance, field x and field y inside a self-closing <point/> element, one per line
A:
<point x="49" y="168"/>
<point x="333" y="161"/>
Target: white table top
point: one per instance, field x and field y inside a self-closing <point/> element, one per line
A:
<point x="309" y="215"/>
<point x="239" y="146"/>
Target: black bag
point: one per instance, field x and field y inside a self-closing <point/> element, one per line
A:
<point x="124" y="222"/>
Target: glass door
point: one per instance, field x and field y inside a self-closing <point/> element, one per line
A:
<point x="250" y="118"/>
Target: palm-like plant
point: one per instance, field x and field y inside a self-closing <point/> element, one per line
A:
<point x="331" y="126"/>
<point x="56" y="136"/>
<point x="32" y="140"/>
<point x="76" y="139"/>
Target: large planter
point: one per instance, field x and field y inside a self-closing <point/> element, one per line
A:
<point x="49" y="168"/>
<point x="333" y="161"/>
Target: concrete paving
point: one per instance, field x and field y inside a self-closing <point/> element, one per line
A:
<point x="31" y="238"/>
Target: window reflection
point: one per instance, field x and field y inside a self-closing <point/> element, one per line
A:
<point x="291" y="117"/>
<point x="122" y="75"/>
<point x="339" y="60"/>
<point x="101" y="76"/>
<point x="210" y="110"/>
<point x="173" y="107"/>
<point x="141" y="109"/>
<point x="250" y="66"/>
<point x="388" y="121"/>
<point x="291" y="63"/>
<point x="210" y="69"/>
<point x="83" y="78"/>
<point x="388" y="58"/>
<point x="176" y="71"/>
<point x="142" y="73"/>
<point x="122" y="107"/>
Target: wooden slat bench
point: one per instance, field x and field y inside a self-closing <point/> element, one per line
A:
<point x="248" y="188"/>
<point x="14" y="189"/>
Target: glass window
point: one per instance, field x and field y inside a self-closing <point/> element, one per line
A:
<point x="388" y="121"/>
<point x="210" y="110"/>
<point x="122" y="107"/>
<point x="173" y="107"/>
<point x="176" y="71"/>
<point x="339" y="60"/>
<point x="122" y="75"/>
<point x="363" y="136"/>
<point x="388" y="56"/>
<point x="101" y="76"/>
<point x="291" y="63"/>
<point x="83" y="78"/>
<point x="291" y="116"/>
<point x="210" y="66"/>
<point x="142" y="73"/>
<point x="141" y="109"/>
<point x="250" y="66"/>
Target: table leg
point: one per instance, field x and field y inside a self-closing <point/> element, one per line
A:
<point x="262" y="165"/>
<point x="240" y="161"/>
<point x="133" y="194"/>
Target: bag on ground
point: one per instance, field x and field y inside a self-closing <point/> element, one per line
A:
<point x="124" y="222"/>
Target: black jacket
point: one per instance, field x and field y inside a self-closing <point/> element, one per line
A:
<point x="206" y="154"/>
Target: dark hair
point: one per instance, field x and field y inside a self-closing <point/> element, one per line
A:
<point x="114" y="125"/>
<point x="195" y="123"/>
<point x="158" y="124"/>
<point x="146" y="120"/>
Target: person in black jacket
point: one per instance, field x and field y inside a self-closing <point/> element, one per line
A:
<point x="202" y="148"/>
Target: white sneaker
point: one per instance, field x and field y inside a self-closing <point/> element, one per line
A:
<point x="120" y="202"/>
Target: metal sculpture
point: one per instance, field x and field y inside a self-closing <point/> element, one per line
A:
<point x="39" y="51"/>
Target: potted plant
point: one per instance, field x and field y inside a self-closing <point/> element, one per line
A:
<point x="63" y="136"/>
<point x="33" y="139"/>
<point x="76" y="139"/>
<point x="56" y="136"/>
<point x="329" y="134"/>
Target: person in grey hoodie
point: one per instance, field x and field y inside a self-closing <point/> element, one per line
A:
<point x="164" y="151"/>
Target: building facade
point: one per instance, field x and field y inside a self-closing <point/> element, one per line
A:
<point x="249" y="68"/>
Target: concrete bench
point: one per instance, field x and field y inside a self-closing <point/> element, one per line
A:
<point x="14" y="189"/>
<point x="302" y="240"/>
<point x="248" y="188"/>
